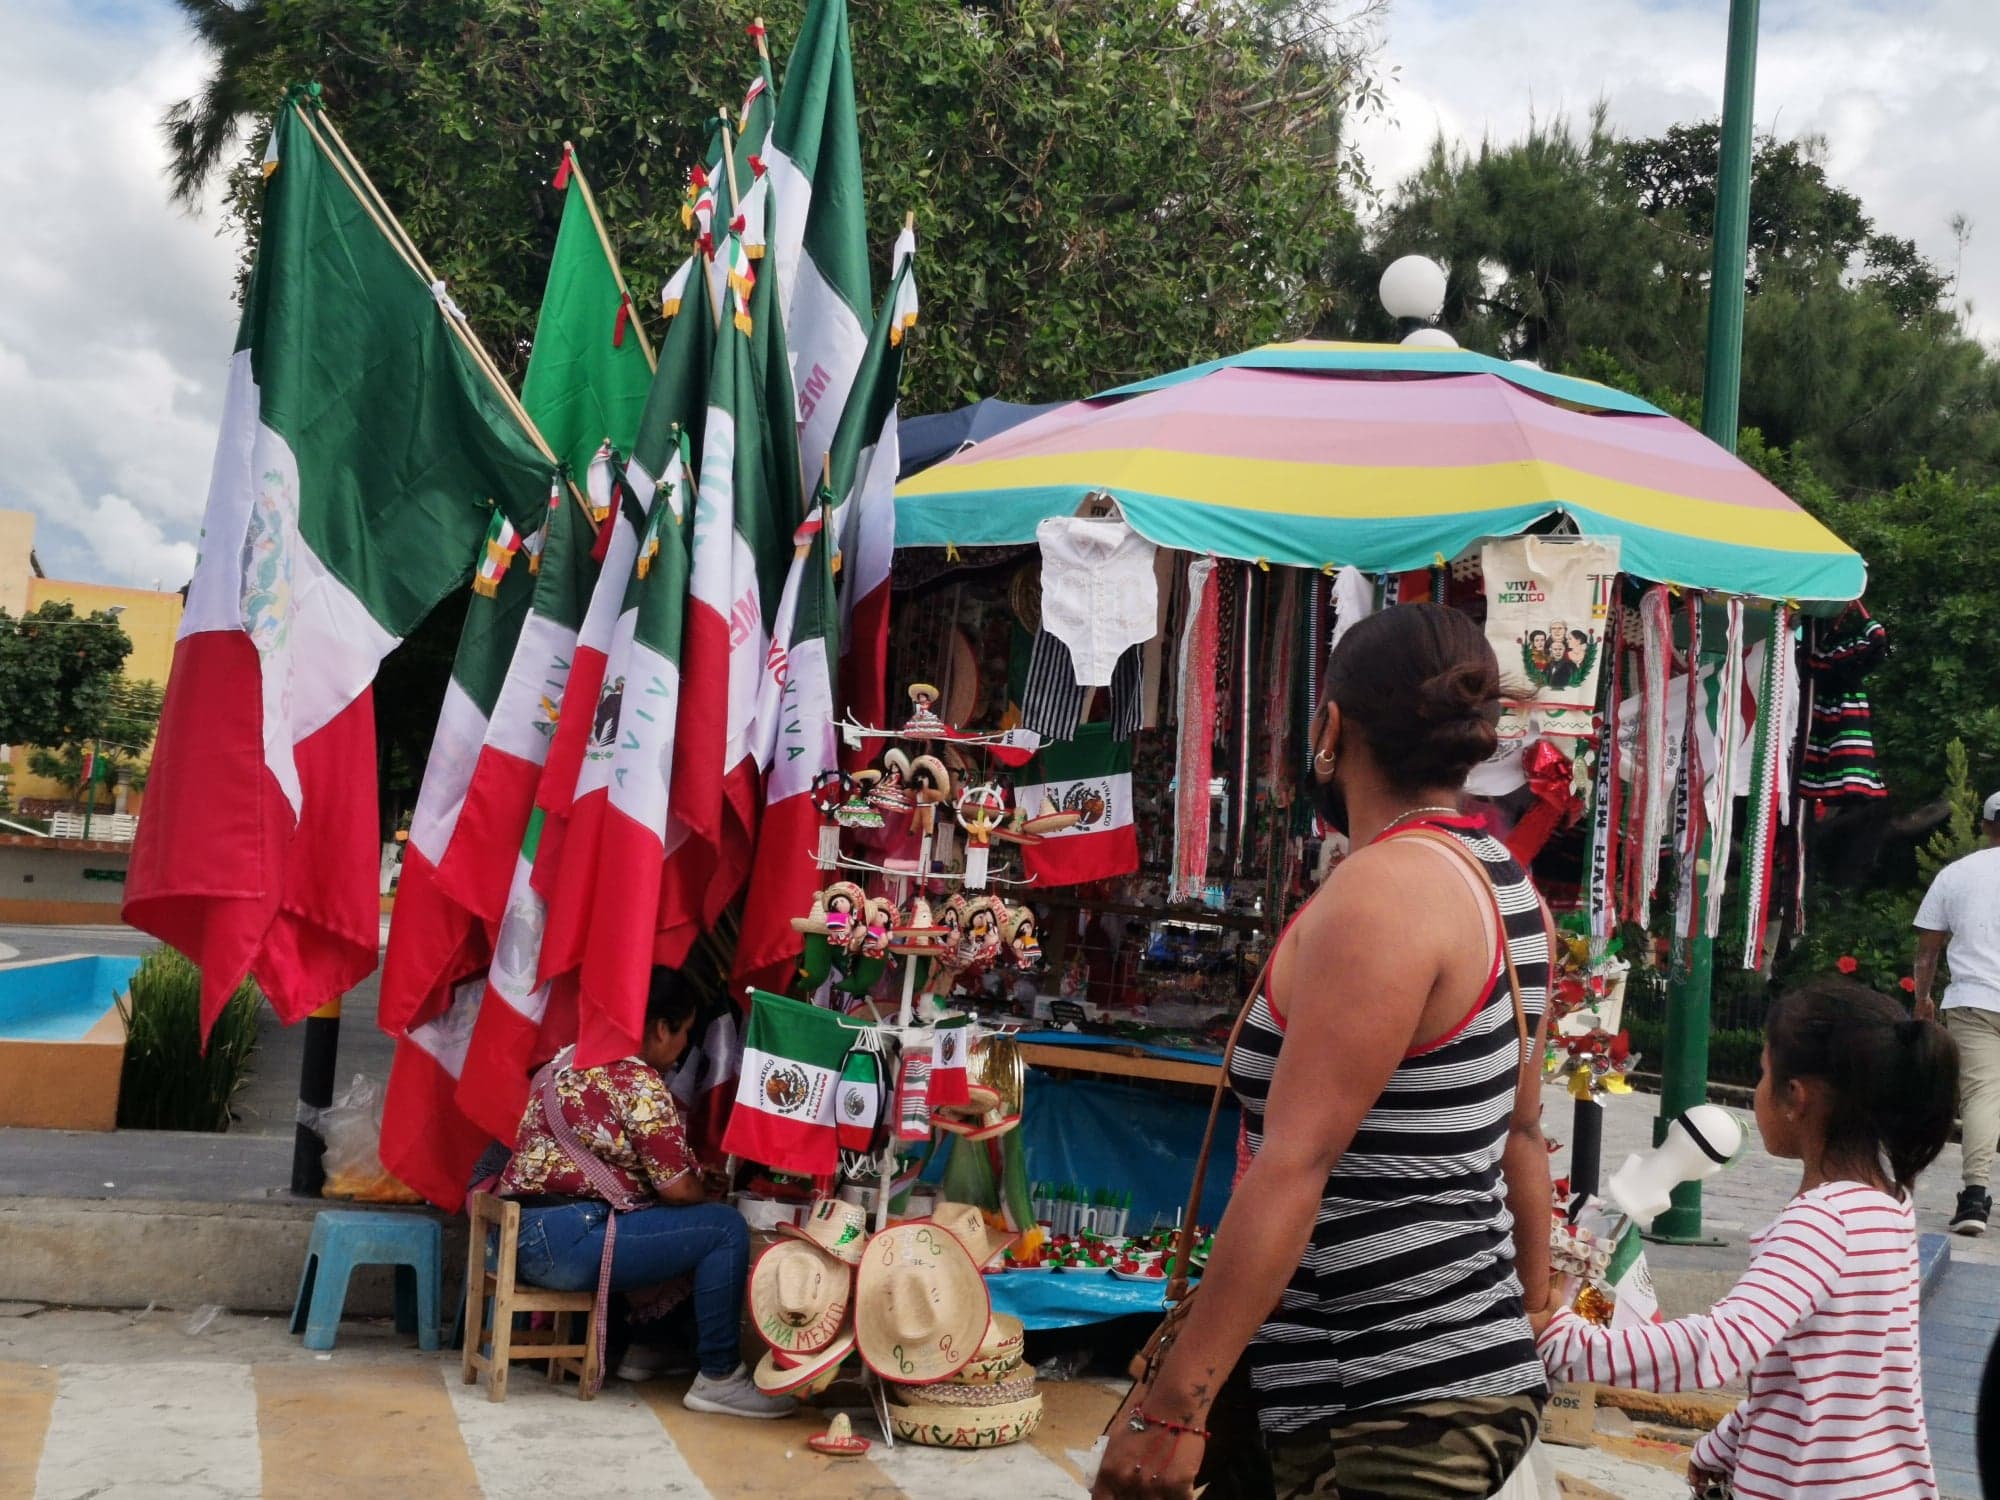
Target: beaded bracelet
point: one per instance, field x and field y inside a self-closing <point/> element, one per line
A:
<point x="1142" y="1419"/>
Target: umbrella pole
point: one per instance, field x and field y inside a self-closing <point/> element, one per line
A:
<point x="1684" y="1080"/>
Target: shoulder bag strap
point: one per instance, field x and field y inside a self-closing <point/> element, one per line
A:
<point x="603" y="1181"/>
<point x="1177" y="1284"/>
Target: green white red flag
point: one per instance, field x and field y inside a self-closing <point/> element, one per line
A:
<point x="784" y="1114"/>
<point x="866" y="456"/>
<point x="820" y="239"/>
<point x="360" y="444"/>
<point x="1090" y="774"/>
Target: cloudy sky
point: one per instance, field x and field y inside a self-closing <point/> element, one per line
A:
<point x="115" y="312"/>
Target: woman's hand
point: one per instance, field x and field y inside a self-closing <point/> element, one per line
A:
<point x="1153" y="1464"/>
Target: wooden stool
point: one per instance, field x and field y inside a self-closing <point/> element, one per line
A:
<point x="492" y="1298"/>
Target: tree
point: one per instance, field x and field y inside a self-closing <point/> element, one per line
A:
<point x="118" y="745"/>
<point x="1104" y="191"/>
<point x="57" y="674"/>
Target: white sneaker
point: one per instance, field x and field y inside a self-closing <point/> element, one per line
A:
<point x="643" y="1362"/>
<point x="736" y="1396"/>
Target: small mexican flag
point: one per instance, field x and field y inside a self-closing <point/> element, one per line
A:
<point x="950" y="1041"/>
<point x="1090" y="774"/>
<point x="784" y="1115"/>
<point x="502" y="542"/>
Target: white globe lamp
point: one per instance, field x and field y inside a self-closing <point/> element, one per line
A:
<point x="1429" y="338"/>
<point x="1413" y="287"/>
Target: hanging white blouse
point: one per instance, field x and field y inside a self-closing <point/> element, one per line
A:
<point x="1100" y="594"/>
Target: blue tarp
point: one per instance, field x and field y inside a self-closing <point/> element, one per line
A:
<point x="1060" y="1299"/>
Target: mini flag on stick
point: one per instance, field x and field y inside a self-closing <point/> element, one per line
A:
<point x="502" y="542"/>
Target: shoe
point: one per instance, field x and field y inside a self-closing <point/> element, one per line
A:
<point x="1975" y="1207"/>
<point x="643" y="1362"/>
<point x="736" y="1396"/>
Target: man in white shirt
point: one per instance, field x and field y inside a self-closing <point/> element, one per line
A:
<point x="1960" y="920"/>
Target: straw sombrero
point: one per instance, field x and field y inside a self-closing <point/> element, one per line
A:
<point x="799" y="1296"/>
<point x="982" y="1241"/>
<point x="920" y="1304"/>
<point x="1017" y="1387"/>
<point x="838" y="1227"/>
<point x="802" y="1375"/>
<point x="984" y="1118"/>
<point x="966" y="1426"/>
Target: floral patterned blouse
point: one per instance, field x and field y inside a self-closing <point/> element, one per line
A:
<point x="622" y="1112"/>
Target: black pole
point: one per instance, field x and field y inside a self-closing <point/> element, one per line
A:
<point x="1586" y="1151"/>
<point x="315" y="1092"/>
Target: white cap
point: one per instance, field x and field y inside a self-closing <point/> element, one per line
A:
<point x="1991" y="812"/>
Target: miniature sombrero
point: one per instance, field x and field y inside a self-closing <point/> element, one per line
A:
<point x="974" y="1123"/>
<point x="802" y="1375"/>
<point x="921" y="1307"/>
<point x="982" y="1241"/>
<point x="799" y="1296"/>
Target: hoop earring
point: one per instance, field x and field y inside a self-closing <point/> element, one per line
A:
<point x="1323" y="760"/>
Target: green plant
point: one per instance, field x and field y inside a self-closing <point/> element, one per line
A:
<point x="170" y="1082"/>
<point x="1960" y="834"/>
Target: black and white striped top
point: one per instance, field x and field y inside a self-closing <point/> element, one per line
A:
<point x="1407" y="1291"/>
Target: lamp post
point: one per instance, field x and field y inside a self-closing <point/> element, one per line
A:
<point x="1412" y="291"/>
<point x="1684" y="1074"/>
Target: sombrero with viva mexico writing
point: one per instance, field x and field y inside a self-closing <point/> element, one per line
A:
<point x="921" y="1310"/>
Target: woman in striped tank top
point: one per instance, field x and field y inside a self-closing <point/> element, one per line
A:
<point x="1370" y="1267"/>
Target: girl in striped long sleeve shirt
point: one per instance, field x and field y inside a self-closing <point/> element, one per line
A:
<point x="1824" y="1323"/>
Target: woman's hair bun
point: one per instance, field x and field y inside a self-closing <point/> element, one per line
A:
<point x="1422" y="686"/>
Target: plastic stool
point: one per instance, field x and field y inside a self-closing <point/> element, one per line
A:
<point x="345" y="1238"/>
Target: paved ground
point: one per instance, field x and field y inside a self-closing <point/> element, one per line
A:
<point x="96" y="1404"/>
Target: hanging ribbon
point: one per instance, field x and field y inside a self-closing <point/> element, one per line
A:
<point x="624" y="317"/>
<point x="1607" y="792"/>
<point x="562" y="170"/>
<point x="1729" y="734"/>
<point x="1194" y="760"/>
<point x="1690" y="816"/>
<point x="1760" y="838"/>
<point x="1550" y="775"/>
<point x="1649" y="781"/>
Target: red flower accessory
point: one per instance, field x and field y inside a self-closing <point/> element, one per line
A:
<point x="1907" y="984"/>
<point x="1847" y="963"/>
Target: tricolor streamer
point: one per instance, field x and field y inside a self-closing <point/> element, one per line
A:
<point x="1729" y="741"/>
<point x="1195" y="762"/>
<point x="1607" y="793"/>
<point x="1760" y="839"/>
<point x="1656" y="629"/>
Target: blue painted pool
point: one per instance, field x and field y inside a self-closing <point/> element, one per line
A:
<point x="60" y="999"/>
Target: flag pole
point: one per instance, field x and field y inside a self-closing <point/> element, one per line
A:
<point x="610" y="255"/>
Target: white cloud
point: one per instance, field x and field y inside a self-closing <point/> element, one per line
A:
<point x="116" y="318"/>
<point x="1903" y="94"/>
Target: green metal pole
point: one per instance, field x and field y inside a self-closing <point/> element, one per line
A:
<point x="1684" y="1080"/>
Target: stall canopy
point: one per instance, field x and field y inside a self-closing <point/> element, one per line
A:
<point x="924" y="441"/>
<point x="1387" y="459"/>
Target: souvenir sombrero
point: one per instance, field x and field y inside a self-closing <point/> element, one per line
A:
<point x="799" y="1296"/>
<point x="921" y="1307"/>
<point x="974" y="1123"/>
<point x="982" y="1241"/>
<point x="838" y="1227"/>
<point x="1019" y="1386"/>
<point x="934" y="1426"/>
<point x="802" y="1375"/>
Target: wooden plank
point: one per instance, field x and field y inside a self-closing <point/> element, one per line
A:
<point x="1121" y="1064"/>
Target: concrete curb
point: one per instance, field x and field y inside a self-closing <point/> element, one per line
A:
<point x="132" y="1253"/>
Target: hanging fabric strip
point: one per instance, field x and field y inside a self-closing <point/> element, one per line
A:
<point x="1690" y="818"/>
<point x="1606" y="795"/>
<point x="1760" y="838"/>
<point x="1656" y="626"/>
<point x="1249" y="669"/>
<point x="1801" y="733"/>
<point x="1729" y="735"/>
<point x="1312" y="656"/>
<point x="1281" y="679"/>
<point x="1194" y="759"/>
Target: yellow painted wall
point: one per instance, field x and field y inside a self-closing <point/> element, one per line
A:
<point x="17" y="544"/>
<point x="150" y="618"/>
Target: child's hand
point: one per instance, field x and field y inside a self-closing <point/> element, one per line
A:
<point x="1707" y="1484"/>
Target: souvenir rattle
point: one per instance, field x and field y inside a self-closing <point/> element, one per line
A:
<point x="929" y="784"/>
<point x="1020" y="939"/>
<point x="979" y="942"/>
<point x="981" y="810"/>
<point x="846" y="905"/>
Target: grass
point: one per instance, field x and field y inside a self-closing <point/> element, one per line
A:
<point x="169" y="1083"/>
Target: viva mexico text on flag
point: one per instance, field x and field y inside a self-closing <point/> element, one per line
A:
<point x="362" y="449"/>
<point x="820" y="238"/>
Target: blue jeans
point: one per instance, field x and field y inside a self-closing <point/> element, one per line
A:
<point x="560" y="1249"/>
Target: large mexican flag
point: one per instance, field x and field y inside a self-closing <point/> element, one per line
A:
<point x="361" y="452"/>
<point x="820" y="240"/>
<point x="866" y="456"/>
<point x="587" y="378"/>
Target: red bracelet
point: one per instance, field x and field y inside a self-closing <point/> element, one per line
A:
<point x="1142" y="1419"/>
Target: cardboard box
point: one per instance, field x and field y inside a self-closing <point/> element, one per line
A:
<point x="1570" y="1418"/>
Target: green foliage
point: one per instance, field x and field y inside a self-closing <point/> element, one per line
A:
<point x="169" y="1083"/>
<point x="1102" y="192"/>
<point x="1869" y="929"/>
<point x="125" y="730"/>
<point x="58" y="672"/>
<point x="1960" y="834"/>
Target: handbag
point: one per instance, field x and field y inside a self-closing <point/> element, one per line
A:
<point x="1234" y="1465"/>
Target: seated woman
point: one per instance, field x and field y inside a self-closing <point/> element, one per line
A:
<point x="618" y="1139"/>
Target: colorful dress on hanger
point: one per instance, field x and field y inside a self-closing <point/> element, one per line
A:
<point x="1839" y="762"/>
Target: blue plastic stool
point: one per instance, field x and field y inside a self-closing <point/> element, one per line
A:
<point x="345" y="1238"/>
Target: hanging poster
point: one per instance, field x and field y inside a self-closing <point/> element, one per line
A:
<point x="1547" y="603"/>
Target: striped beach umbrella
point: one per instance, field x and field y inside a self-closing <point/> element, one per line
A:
<point x="1388" y="459"/>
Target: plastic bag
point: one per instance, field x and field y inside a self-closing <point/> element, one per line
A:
<point x="351" y="1127"/>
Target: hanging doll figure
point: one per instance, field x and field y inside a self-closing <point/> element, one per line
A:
<point x="1023" y="946"/>
<point x="845" y="905"/>
<point x="923" y="723"/>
